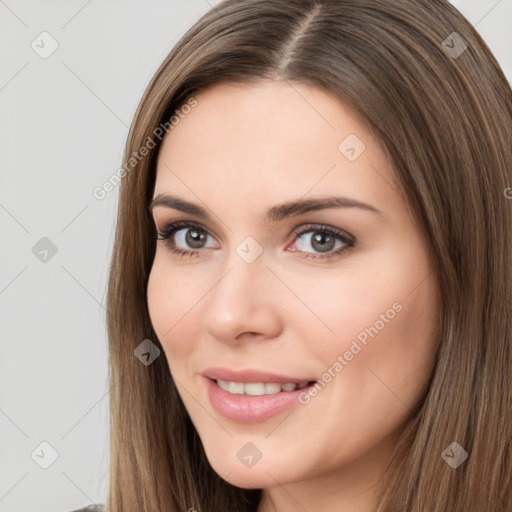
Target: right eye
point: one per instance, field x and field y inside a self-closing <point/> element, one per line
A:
<point x="185" y="238"/>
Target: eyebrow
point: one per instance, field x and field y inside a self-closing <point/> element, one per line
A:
<point x="274" y="214"/>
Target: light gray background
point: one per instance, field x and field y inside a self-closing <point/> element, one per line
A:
<point x="63" y="125"/>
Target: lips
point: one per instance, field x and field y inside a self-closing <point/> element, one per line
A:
<point x="253" y="375"/>
<point x="250" y="396"/>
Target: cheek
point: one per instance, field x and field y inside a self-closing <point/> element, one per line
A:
<point x="172" y="296"/>
<point x="403" y="353"/>
<point x="376" y="366"/>
<point x="380" y="316"/>
<point x="353" y="303"/>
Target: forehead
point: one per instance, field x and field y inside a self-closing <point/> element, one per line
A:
<point x="270" y="142"/>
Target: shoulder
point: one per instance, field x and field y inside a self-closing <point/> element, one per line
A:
<point x="91" y="508"/>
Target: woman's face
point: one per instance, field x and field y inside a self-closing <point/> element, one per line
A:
<point x="349" y="302"/>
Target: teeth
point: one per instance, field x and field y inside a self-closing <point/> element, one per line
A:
<point x="258" y="388"/>
<point x="223" y="384"/>
<point x="272" y="389"/>
<point x="254" y="388"/>
<point x="236" y="388"/>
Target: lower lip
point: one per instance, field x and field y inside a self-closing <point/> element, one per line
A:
<point x="251" y="409"/>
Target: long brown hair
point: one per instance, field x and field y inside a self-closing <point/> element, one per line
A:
<point x="443" y="112"/>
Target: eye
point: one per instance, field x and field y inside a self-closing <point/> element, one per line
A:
<point x="323" y="239"/>
<point x="181" y="236"/>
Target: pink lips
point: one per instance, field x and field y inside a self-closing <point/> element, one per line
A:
<point x="251" y="375"/>
<point x="250" y="409"/>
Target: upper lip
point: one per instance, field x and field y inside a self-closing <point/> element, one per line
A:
<point x="252" y="375"/>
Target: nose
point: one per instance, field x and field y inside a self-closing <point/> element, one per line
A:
<point x="243" y="303"/>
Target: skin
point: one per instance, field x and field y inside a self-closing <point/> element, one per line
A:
<point x="240" y="151"/>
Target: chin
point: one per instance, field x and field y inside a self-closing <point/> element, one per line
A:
<point x="240" y="464"/>
<point x="247" y="478"/>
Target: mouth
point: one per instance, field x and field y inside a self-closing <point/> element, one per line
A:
<point x="254" y="402"/>
<point x="260" y="388"/>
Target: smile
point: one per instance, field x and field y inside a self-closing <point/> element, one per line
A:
<point x="259" y="388"/>
<point x="253" y="402"/>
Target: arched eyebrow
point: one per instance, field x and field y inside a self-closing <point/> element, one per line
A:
<point x="292" y="208"/>
<point x="274" y="214"/>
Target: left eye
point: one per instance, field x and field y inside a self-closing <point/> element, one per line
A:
<point x="323" y="240"/>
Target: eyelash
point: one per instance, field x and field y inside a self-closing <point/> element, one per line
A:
<point x="170" y="229"/>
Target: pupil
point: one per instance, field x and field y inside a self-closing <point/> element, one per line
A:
<point x="195" y="237"/>
<point x="326" y="240"/>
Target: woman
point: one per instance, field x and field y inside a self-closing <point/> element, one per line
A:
<point x="310" y="295"/>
